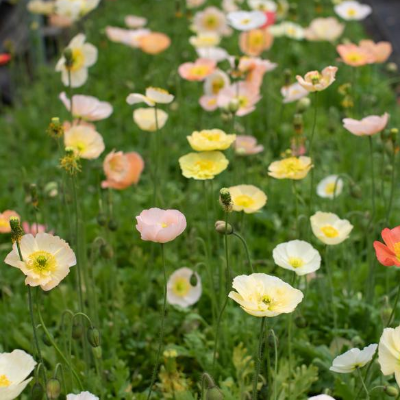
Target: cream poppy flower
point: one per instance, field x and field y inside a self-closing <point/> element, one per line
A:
<point x="205" y="40"/>
<point x="292" y="30"/>
<point x="86" y="142"/>
<point x="298" y="256"/>
<point x="180" y="291"/>
<point x="263" y="5"/>
<point x="295" y="168"/>
<point x="353" y="10"/>
<point x="202" y="166"/>
<point x="75" y="9"/>
<point x="82" y="396"/>
<point x="329" y="228"/>
<point x="293" y="92"/>
<point x="389" y="352"/>
<point x="215" y="82"/>
<point x="135" y="22"/>
<point x="153" y="96"/>
<point x="84" y="55"/>
<point x="262" y="295"/>
<point x="15" y="368"/>
<point x="47" y="259"/>
<point x="330" y="187"/>
<point x="211" y="19"/>
<point x="216" y="54"/>
<point x="324" y="29"/>
<point x="88" y="108"/>
<point x="353" y="359"/>
<point x="41" y="7"/>
<point x="246" y="20"/>
<point x="210" y="139"/>
<point x="145" y="118"/>
<point x="316" y="81"/>
<point x="247" y="198"/>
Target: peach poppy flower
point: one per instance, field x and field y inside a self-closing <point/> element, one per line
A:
<point x="254" y="42"/>
<point x="355" y="56"/>
<point x="367" y="126"/>
<point x="388" y="254"/>
<point x="197" y="71"/>
<point x="122" y="170"/>
<point x="246" y="145"/>
<point x="245" y="94"/>
<point x="380" y="50"/>
<point x="160" y="226"/>
<point x="316" y="81"/>
<point x="34" y="228"/>
<point x="154" y="43"/>
<point x="209" y="103"/>
<point x="293" y="92"/>
<point x="88" y="108"/>
<point x="5" y="220"/>
<point x="255" y="68"/>
<point x="135" y="22"/>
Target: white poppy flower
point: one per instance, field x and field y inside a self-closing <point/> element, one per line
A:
<point x="298" y="256"/>
<point x="263" y="5"/>
<point x="321" y="397"/>
<point x="84" y="55"/>
<point x="135" y="22"/>
<point x="180" y="291"/>
<point x="74" y="9"/>
<point x="353" y="10"/>
<point x="82" y="396"/>
<point x="329" y="228"/>
<point x="389" y="352"/>
<point x="15" y="368"/>
<point x="246" y="20"/>
<point x="216" y="54"/>
<point x="353" y="359"/>
<point x="293" y="92"/>
<point x="153" y="96"/>
<point x="293" y="31"/>
<point x="330" y="187"/>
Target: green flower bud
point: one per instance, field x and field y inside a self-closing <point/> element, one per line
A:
<point x="16" y="230"/>
<point x="303" y="104"/>
<point x="391" y="391"/>
<point x="112" y="225"/>
<point x="93" y="336"/>
<point x="225" y="199"/>
<point x="214" y="394"/>
<point x="46" y="340"/>
<point x="223" y="228"/>
<point x="301" y="322"/>
<point x="392" y="67"/>
<point x="106" y="251"/>
<point x="233" y="106"/>
<point x="193" y="279"/>
<point x="37" y="391"/>
<point x="102" y="219"/>
<point x="97" y="352"/>
<point x="53" y="388"/>
<point x="355" y="191"/>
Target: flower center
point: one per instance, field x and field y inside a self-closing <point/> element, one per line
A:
<point x="200" y="70"/>
<point x="212" y="137"/>
<point x="204" y="165"/>
<point x="4" y="382"/>
<point x="217" y="85"/>
<point x="291" y="166"/>
<point x="351" y="12"/>
<point x="164" y="225"/>
<point x="181" y="287"/>
<point x="354" y="57"/>
<point x="256" y="39"/>
<point x="211" y="22"/>
<point x="41" y="262"/>
<point x="246" y="21"/>
<point x="329" y="231"/>
<point x="330" y="188"/>
<point x="78" y="60"/>
<point x="243" y="101"/>
<point x="296" y="262"/>
<point x="4" y="223"/>
<point x="244" y="201"/>
<point x="397" y="250"/>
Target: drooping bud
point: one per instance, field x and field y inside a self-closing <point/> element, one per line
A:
<point x="355" y="191"/>
<point x="287" y="77"/>
<point x="214" y="394"/>
<point x="37" y="391"/>
<point x="303" y="104"/>
<point x="102" y="219"/>
<point x="53" y="388"/>
<point x="46" y="340"/>
<point x="93" y="336"/>
<point x="225" y="200"/>
<point x="193" y="279"/>
<point x="16" y="230"/>
<point x="112" y="225"/>
<point x="391" y="391"/>
<point x="97" y="352"/>
<point x="392" y="67"/>
<point x="70" y="162"/>
<point x="55" y="128"/>
<point x="69" y="58"/>
<point x="223" y="228"/>
<point x="106" y="251"/>
<point x="301" y="322"/>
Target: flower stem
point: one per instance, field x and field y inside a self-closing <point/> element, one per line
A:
<point x="392" y="189"/>
<point x="330" y="279"/>
<point x="246" y="249"/>
<point x="371" y="151"/>
<point x="156" y="181"/>
<point x="258" y="358"/>
<point x="294" y="188"/>
<point x="161" y="337"/>
<point x="363" y="382"/>
<point x="275" y="364"/>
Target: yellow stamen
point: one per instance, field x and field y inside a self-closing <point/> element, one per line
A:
<point x="78" y="60"/>
<point x="41" y="262"/>
<point x="181" y="287"/>
<point x="296" y="262"/>
<point x="329" y="231"/>
<point x="330" y="188"/>
<point x="244" y="201"/>
<point x="4" y="382"/>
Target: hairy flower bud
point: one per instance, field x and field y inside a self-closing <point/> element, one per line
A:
<point x="55" y="128"/>
<point x="93" y="336"/>
<point x="193" y="279"/>
<point x="298" y="123"/>
<point x="225" y="199"/>
<point x="391" y="391"/>
<point x="16" y="230"/>
<point x="233" y="106"/>
<point x="77" y="330"/>
<point x="214" y="394"/>
<point x="53" y="388"/>
<point x="223" y="228"/>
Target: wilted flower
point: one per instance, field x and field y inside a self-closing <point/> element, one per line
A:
<point x="389" y="352"/>
<point x="354" y="55"/>
<point x="46" y="259"/>
<point x="330" y="187"/>
<point x="388" y="254"/>
<point x="82" y="396"/>
<point x="367" y="126"/>
<point x="353" y="10"/>
<point x="15" y="367"/>
<point x="88" y="108"/>
<point x="353" y="359"/>
<point x="154" y="42"/>
<point x="290" y="168"/>
<point x="262" y="295"/>
<point x="255" y="41"/>
<point x="293" y="92"/>
<point x="135" y="22"/>
<point x="197" y="71"/>
<point x="246" y="145"/>
<point x="145" y="118"/>
<point x="210" y="139"/>
<point x="297" y="256"/>
<point x="316" y="81"/>
<point x="86" y="142"/>
<point x="82" y="56"/>
<point x="247" y="198"/>
<point x="154" y="95"/>
<point x="329" y="228"/>
<point x="122" y="170"/>
<point x="320" y="29"/>
<point x="246" y="20"/>
<point x="5" y="220"/>
<point x="204" y="165"/>
<point x="181" y="291"/>
<point x="160" y="226"/>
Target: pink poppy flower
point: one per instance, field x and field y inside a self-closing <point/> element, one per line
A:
<point x="160" y="226"/>
<point x="76" y="122"/>
<point x="122" y="170"/>
<point x="129" y="37"/>
<point x="197" y="71"/>
<point x="367" y="126"/>
<point x="87" y="108"/>
<point x="34" y="228"/>
<point x="245" y="94"/>
<point x="246" y="145"/>
<point x="5" y="220"/>
<point x="209" y="103"/>
<point x="388" y="254"/>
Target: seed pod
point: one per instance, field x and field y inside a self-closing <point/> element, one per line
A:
<point x="93" y="336"/>
<point x="53" y="388"/>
